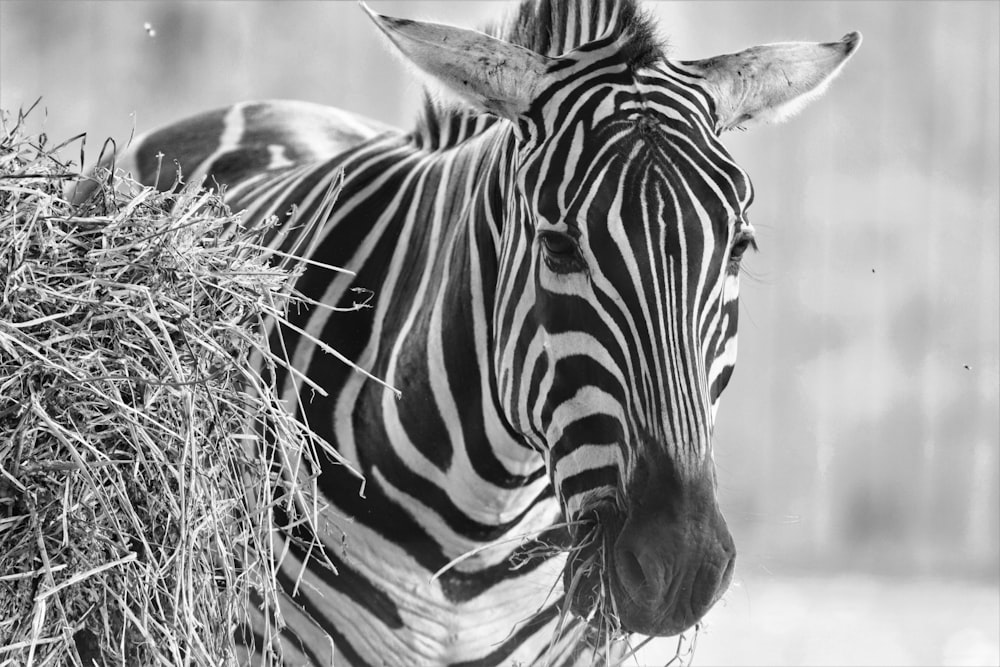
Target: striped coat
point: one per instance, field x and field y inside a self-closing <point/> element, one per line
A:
<point x="553" y="262"/>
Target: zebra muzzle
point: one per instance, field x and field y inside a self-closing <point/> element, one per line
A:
<point x="663" y="566"/>
<point x="669" y="567"/>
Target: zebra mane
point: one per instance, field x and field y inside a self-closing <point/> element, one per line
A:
<point x="553" y="27"/>
<point x="549" y="28"/>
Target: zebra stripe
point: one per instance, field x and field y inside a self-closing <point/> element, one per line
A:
<point x="556" y="296"/>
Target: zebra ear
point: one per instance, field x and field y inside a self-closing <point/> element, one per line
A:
<point x="767" y="84"/>
<point x="491" y="74"/>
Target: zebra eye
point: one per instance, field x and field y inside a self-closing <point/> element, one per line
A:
<point x="744" y="239"/>
<point x="557" y="244"/>
<point x="560" y="252"/>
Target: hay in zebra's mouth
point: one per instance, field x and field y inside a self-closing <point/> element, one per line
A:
<point x="590" y="594"/>
<point x="587" y="579"/>
<point x="586" y="576"/>
<point x="127" y="328"/>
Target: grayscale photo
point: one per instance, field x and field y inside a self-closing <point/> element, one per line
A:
<point x="522" y="333"/>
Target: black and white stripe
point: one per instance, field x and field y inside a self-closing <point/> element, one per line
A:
<point x="555" y="296"/>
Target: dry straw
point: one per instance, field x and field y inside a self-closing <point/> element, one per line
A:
<point x="132" y="416"/>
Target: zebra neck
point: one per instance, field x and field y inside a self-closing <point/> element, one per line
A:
<point x="430" y="338"/>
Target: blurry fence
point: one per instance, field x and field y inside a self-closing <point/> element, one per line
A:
<point x="861" y="428"/>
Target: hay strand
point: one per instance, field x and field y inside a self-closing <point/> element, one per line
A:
<point x="137" y="400"/>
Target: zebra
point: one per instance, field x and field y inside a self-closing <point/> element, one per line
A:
<point x="555" y="254"/>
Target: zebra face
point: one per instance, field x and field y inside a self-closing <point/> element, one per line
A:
<point x="623" y="336"/>
<point x="614" y="312"/>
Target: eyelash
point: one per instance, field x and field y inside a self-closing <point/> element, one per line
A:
<point x="560" y="252"/>
<point x="744" y="239"/>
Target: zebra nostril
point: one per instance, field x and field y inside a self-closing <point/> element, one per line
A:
<point x="709" y="584"/>
<point x="703" y="590"/>
<point x="631" y="572"/>
<point x="642" y="580"/>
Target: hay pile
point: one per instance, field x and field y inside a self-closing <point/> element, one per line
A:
<point x="130" y="326"/>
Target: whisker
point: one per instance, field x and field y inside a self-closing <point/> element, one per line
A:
<point x="682" y="657"/>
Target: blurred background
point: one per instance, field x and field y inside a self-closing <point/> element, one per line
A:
<point x="857" y="445"/>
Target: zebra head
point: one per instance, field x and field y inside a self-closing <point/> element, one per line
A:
<point x="618" y="251"/>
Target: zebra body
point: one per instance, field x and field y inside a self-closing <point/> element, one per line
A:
<point x="555" y="266"/>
